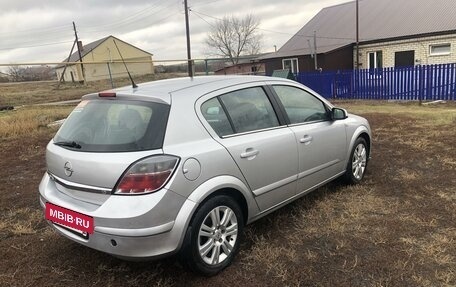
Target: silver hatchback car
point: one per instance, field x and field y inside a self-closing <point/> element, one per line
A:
<point x="184" y="164"/>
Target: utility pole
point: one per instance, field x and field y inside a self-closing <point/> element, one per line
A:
<point x="357" y="35"/>
<point x="315" y="50"/>
<point x="310" y="49"/>
<point x="189" y="54"/>
<point x="79" y="44"/>
<point x="62" y="77"/>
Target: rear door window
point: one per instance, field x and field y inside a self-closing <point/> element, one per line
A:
<point x="240" y="111"/>
<point x="114" y="126"/>
<point x="215" y="115"/>
<point x="249" y="110"/>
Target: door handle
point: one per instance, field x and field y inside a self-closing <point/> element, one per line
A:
<point x="250" y="153"/>
<point x="306" y="139"/>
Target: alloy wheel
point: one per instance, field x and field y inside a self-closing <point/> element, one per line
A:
<point x="217" y="235"/>
<point x="359" y="161"/>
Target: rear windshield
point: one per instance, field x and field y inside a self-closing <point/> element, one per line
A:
<point x="114" y="126"/>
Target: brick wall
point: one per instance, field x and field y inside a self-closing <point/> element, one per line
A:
<point x="421" y="46"/>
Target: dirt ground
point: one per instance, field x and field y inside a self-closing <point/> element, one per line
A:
<point x="395" y="229"/>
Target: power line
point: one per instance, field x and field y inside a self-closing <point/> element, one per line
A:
<point x="30" y="41"/>
<point x="33" y="43"/>
<point x="34" y="39"/>
<point x="47" y="44"/>
<point x="137" y="17"/>
<point x="52" y="29"/>
<point x="127" y="18"/>
<point x="63" y="28"/>
<point x="22" y="38"/>
<point x="204" y="3"/>
<point x="56" y="33"/>
<point x="197" y="15"/>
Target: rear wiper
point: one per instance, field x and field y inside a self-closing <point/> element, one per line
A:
<point x="71" y="144"/>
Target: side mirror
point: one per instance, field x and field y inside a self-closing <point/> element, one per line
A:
<point x="338" y="114"/>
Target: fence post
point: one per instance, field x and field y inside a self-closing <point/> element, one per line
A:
<point x="421" y="93"/>
<point x="453" y="82"/>
<point x="352" y="84"/>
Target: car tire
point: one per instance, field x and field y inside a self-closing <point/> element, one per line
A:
<point x="214" y="235"/>
<point x="357" y="162"/>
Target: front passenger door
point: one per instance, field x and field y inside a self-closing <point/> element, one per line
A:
<point x="321" y="141"/>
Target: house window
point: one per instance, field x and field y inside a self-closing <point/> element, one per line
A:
<point x="440" y="49"/>
<point x="291" y="64"/>
<point x="375" y="60"/>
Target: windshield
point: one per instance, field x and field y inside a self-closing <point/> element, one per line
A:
<point x="114" y="126"/>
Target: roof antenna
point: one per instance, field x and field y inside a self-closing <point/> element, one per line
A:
<point x="123" y="61"/>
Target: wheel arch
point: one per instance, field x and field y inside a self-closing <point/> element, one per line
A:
<point x="236" y="195"/>
<point x="367" y="138"/>
<point x="190" y="251"/>
<point x="229" y="186"/>
<point x="364" y="133"/>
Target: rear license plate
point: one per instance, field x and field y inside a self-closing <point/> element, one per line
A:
<point x="69" y="218"/>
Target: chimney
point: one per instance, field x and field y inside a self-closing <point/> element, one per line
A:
<point x="80" y="47"/>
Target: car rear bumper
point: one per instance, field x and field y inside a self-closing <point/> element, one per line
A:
<point x="135" y="244"/>
<point x="129" y="237"/>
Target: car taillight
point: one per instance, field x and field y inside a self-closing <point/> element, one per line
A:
<point x="147" y="175"/>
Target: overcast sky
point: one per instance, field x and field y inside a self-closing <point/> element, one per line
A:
<point x="41" y="30"/>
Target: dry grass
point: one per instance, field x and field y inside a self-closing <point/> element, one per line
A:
<point x="429" y="115"/>
<point x="397" y="228"/>
<point x="29" y="121"/>
<point x="21" y="221"/>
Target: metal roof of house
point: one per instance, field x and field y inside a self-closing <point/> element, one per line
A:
<point x="89" y="47"/>
<point x="335" y="26"/>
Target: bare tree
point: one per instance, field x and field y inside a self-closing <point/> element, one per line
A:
<point x="15" y="73"/>
<point x="232" y="37"/>
<point x="39" y="73"/>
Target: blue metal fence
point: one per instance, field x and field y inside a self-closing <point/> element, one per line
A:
<point x="427" y="83"/>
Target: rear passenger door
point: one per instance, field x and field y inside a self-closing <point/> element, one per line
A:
<point x="321" y="141"/>
<point x="264" y="150"/>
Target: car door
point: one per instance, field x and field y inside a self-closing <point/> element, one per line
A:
<point x="322" y="143"/>
<point x="264" y="150"/>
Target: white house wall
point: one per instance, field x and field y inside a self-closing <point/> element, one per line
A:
<point x="72" y="69"/>
<point x="96" y="72"/>
<point x="421" y="46"/>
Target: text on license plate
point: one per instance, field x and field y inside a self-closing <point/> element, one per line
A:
<point x="69" y="218"/>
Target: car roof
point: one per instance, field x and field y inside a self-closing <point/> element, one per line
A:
<point x="197" y="86"/>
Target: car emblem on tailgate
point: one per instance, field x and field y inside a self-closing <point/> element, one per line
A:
<point x="68" y="169"/>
